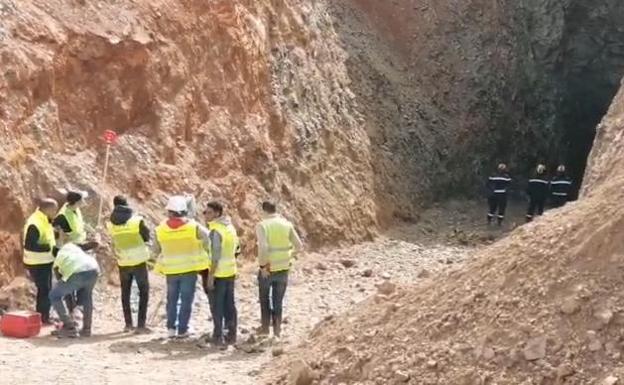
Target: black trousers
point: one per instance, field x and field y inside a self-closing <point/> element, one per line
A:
<point x="497" y="206"/>
<point x="126" y="275"/>
<point x="271" y="291"/>
<point x="536" y="207"/>
<point x="41" y="275"/>
<point x="558" y="201"/>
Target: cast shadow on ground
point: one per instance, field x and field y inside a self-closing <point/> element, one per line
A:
<point x="53" y="341"/>
<point x="179" y="350"/>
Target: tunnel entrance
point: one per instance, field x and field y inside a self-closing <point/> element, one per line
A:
<point x="592" y="66"/>
<point x="583" y="112"/>
<point x="581" y="57"/>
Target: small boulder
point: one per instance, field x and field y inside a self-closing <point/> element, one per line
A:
<point x="277" y="351"/>
<point x="348" y="263"/>
<point x="432" y="364"/>
<point x="570" y="306"/>
<point x="535" y="349"/>
<point x="367" y="273"/>
<point x="423" y="273"/>
<point x="488" y="354"/>
<point x="301" y="374"/>
<point x="401" y="376"/>
<point x="386" y="288"/>
<point x="611" y="380"/>
<point x="604" y="316"/>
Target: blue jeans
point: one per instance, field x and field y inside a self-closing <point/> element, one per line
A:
<point x="82" y="283"/>
<point x="223" y="308"/>
<point x="180" y="287"/>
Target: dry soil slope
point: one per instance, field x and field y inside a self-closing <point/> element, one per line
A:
<point x="542" y="306"/>
<point x="238" y="100"/>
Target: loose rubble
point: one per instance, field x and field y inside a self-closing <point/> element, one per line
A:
<point x="543" y="305"/>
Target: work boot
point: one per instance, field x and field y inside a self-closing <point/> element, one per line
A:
<point x="85" y="333"/>
<point x="128" y="329"/>
<point x="230" y="339"/>
<point x="277" y="327"/>
<point x="143" y="330"/>
<point x="67" y="333"/>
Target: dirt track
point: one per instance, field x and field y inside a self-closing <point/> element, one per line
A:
<point x="320" y="286"/>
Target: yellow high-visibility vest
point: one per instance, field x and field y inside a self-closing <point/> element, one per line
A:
<point x="46" y="237"/>
<point x="76" y="223"/>
<point x="226" y="267"/>
<point x="181" y="251"/>
<point x="277" y="233"/>
<point x="71" y="259"/>
<point x="128" y="245"/>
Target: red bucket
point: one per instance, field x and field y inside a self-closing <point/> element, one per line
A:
<point x="20" y="324"/>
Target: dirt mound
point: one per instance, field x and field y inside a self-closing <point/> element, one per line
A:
<point x="542" y="306"/>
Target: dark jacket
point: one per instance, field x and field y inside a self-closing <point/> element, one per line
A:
<point x="560" y="186"/>
<point x="31" y="241"/>
<point x="122" y="214"/>
<point x="538" y="186"/>
<point x="498" y="183"/>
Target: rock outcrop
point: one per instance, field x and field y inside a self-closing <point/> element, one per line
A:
<point x="542" y="306"/>
<point x="351" y="114"/>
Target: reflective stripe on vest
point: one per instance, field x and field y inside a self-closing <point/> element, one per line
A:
<point x="128" y="244"/>
<point x="74" y="218"/>
<point x="46" y="237"/>
<point x="182" y="252"/>
<point x="226" y="267"/>
<point x="277" y="232"/>
<point x="538" y="181"/>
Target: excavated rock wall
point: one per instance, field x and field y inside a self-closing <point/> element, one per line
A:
<point x="542" y="306"/>
<point x="351" y="114"/>
<point x="450" y="88"/>
<point x="233" y="100"/>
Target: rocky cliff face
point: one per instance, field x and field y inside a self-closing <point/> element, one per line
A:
<point x="350" y="113"/>
<point x="233" y="100"/>
<point x="542" y="306"/>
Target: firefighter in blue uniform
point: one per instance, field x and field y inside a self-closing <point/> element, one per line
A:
<point x="497" y="186"/>
<point x="537" y="190"/>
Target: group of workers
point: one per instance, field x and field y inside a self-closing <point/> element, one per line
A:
<point x="183" y="249"/>
<point x="539" y="189"/>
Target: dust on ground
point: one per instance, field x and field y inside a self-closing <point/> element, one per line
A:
<point x="323" y="285"/>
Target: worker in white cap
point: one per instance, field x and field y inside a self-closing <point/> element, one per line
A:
<point x="184" y="249"/>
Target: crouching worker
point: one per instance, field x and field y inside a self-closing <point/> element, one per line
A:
<point x="79" y="272"/>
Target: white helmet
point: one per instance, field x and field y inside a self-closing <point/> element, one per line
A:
<point x="561" y="168"/>
<point x="177" y="203"/>
<point x="541" y="168"/>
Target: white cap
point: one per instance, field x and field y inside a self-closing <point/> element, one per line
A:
<point x="177" y="203"/>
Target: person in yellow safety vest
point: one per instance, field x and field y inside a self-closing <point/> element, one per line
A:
<point x="70" y="221"/>
<point x="130" y="237"/>
<point x="78" y="272"/>
<point x="69" y="218"/>
<point x="184" y="247"/>
<point x="278" y="243"/>
<point x="220" y="282"/>
<point x="39" y="245"/>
